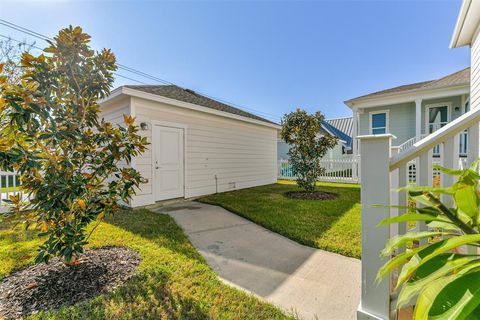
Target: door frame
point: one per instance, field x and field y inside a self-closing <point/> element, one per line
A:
<point x="176" y="126"/>
<point x="433" y="105"/>
<point x="427" y="122"/>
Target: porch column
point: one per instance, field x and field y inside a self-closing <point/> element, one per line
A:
<point x="355" y="170"/>
<point x="375" y="152"/>
<point x="354" y="132"/>
<point x="473" y="147"/>
<point x="418" y="119"/>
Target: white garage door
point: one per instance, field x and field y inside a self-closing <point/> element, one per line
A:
<point x="168" y="162"/>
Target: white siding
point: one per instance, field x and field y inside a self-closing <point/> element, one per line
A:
<point x="113" y="112"/>
<point x="475" y="72"/>
<point x="238" y="153"/>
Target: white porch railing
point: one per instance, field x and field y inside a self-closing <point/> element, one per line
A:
<point x="9" y="185"/>
<point x="336" y="170"/>
<point x="381" y="174"/>
<point x="407" y="144"/>
<point x="462" y="148"/>
<point x="412" y="167"/>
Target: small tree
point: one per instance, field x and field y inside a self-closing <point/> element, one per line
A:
<point x="68" y="159"/>
<point x="308" y="144"/>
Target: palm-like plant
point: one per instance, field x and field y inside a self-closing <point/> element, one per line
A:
<point x="443" y="272"/>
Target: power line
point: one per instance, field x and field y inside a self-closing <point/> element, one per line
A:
<point x="129" y="69"/>
<point x="128" y="78"/>
<point x="24" y="30"/>
<point x="33" y="46"/>
<point x="20" y="42"/>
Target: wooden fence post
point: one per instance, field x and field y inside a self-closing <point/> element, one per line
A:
<point x="375" y="176"/>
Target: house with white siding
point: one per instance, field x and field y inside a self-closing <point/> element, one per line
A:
<point x="198" y="145"/>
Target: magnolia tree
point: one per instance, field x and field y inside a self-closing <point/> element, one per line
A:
<point x="308" y="144"/>
<point x="67" y="158"/>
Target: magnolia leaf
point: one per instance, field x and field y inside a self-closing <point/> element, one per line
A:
<point x="129" y="120"/>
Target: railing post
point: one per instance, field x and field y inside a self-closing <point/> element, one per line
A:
<point x="375" y="177"/>
<point x="450" y="158"/>
<point x="473" y="147"/>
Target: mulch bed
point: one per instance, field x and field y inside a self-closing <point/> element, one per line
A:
<point x="317" y="195"/>
<point x="50" y="286"/>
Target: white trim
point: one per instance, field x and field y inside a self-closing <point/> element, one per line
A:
<point x="434" y="105"/>
<point x="408" y="96"/>
<point x="453" y="128"/>
<point x="171" y="125"/>
<point x="467" y="25"/>
<point x="387" y="120"/>
<point x="339" y="118"/>
<point x="186" y="105"/>
<point x="464" y="104"/>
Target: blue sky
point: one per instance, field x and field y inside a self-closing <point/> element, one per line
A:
<point x="268" y="56"/>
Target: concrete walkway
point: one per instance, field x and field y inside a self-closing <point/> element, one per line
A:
<point x="314" y="284"/>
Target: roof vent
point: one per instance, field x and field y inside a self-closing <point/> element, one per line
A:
<point x="190" y="91"/>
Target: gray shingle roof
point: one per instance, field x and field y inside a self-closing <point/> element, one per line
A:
<point x="461" y="77"/>
<point x="190" y="96"/>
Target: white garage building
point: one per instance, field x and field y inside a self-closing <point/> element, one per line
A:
<point x="198" y="146"/>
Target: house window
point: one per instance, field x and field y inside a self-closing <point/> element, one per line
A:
<point x="379" y="122"/>
<point x="437" y="118"/>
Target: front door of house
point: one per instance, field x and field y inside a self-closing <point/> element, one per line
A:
<point x="168" y="162"/>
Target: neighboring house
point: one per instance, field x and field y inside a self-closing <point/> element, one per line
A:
<point x="339" y="127"/>
<point x="198" y="146"/>
<point x="412" y="111"/>
<point x="383" y="173"/>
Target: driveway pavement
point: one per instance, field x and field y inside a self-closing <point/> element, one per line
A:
<point x="313" y="283"/>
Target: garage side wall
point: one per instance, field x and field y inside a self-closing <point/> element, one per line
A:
<point x="113" y="112"/>
<point x="239" y="154"/>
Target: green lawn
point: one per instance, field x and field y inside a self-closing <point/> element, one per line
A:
<point x="173" y="281"/>
<point x="332" y="225"/>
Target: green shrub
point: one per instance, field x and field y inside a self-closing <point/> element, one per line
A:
<point x="308" y="144"/>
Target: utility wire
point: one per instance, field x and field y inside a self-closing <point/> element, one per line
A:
<point x="128" y="69"/>
<point x="33" y="46"/>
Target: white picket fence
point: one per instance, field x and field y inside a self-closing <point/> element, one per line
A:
<point x="9" y="185"/>
<point x="343" y="170"/>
